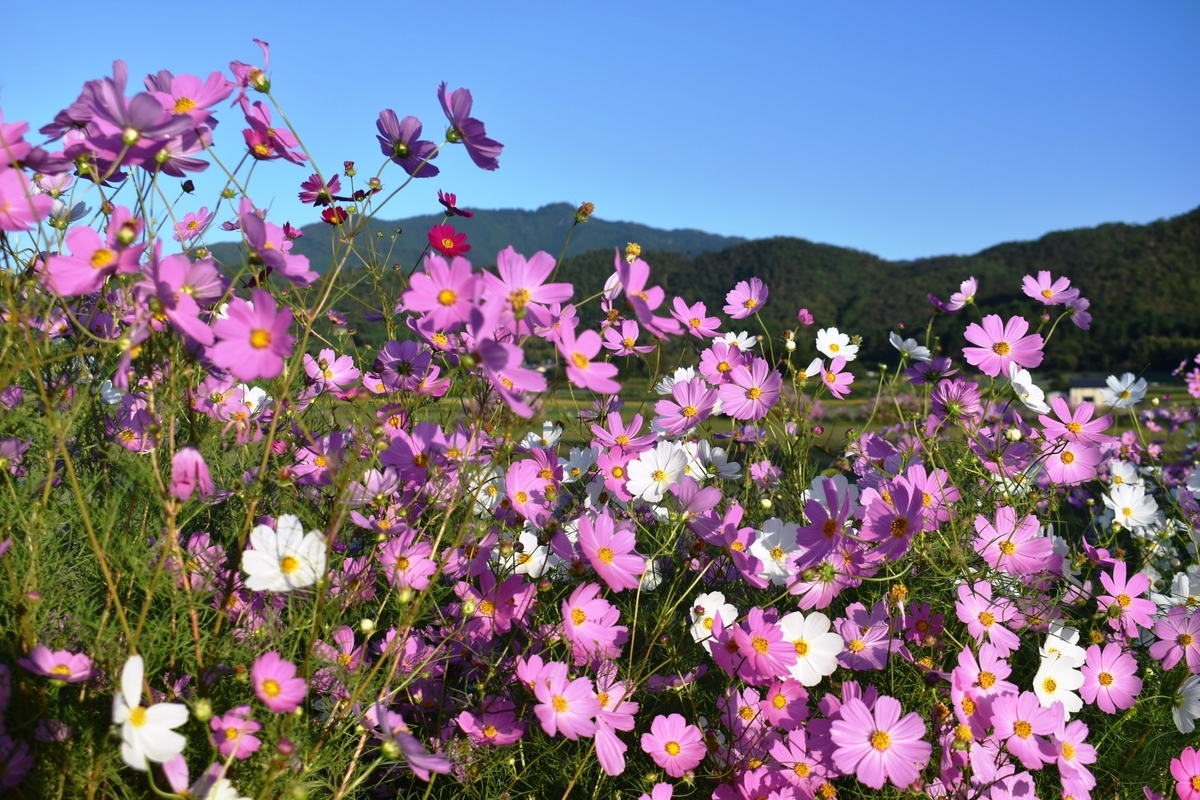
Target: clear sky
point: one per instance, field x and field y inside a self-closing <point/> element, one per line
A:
<point x="904" y="129"/>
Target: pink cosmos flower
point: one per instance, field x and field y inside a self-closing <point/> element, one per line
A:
<point x="20" y="208"/>
<point x="407" y="563"/>
<point x="835" y="380"/>
<point x="91" y="261"/>
<point x="746" y="299"/>
<point x="445" y="293"/>
<point x="752" y="391"/>
<point x="1068" y="462"/>
<point x="466" y="129"/>
<point x="718" y="362"/>
<point x="521" y="286"/>
<point x="330" y="371"/>
<point x="984" y="616"/>
<point x="1011" y="545"/>
<point x="674" y="745"/>
<point x="695" y="318"/>
<point x="447" y="242"/>
<point x="805" y="317"/>
<point x="1076" y="425"/>
<point x="566" y="707"/>
<point x="1000" y="344"/>
<point x="252" y="339"/>
<point x="589" y="624"/>
<point x="1186" y="772"/>
<point x="578" y="351"/>
<point x="879" y="746"/>
<point x="1023" y="724"/>
<point x="1127" y="609"/>
<point x="1179" y="636"/>
<point x="272" y="247"/>
<point x="690" y="404"/>
<point x="959" y="300"/>
<point x="166" y="289"/>
<point x="58" y="665"/>
<point x="494" y="724"/>
<point x="642" y="299"/>
<point x="1050" y="293"/>
<point x="1110" y="678"/>
<point x="234" y="733"/>
<point x="1074" y="754"/>
<point x="623" y="342"/>
<point x="610" y="549"/>
<point x="192" y="225"/>
<point x="275" y="683"/>
<point x="765" y="652"/>
<point x="317" y="192"/>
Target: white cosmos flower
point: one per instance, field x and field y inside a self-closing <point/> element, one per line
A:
<point x="706" y="609"/>
<point x="813" y="370"/>
<point x="285" y="558"/>
<point x="743" y="340"/>
<point x="774" y="543"/>
<point x="816" y="646"/>
<point x="668" y="382"/>
<point x="146" y="732"/>
<point x="1062" y="645"/>
<point x="1130" y="505"/>
<point x="253" y="396"/>
<point x="1026" y="390"/>
<point x="578" y="463"/>
<point x="1124" y="472"/>
<point x="910" y="348"/>
<point x="1187" y="705"/>
<point x="834" y="343"/>
<point x="1193" y="482"/>
<point x="489" y="491"/>
<point x="528" y="557"/>
<point x="652" y="577"/>
<point x="548" y="438"/>
<point x="1057" y="681"/>
<point x="652" y="473"/>
<point x="1123" y="392"/>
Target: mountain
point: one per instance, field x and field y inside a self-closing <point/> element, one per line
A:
<point x="1143" y="281"/>
<point x="490" y="231"/>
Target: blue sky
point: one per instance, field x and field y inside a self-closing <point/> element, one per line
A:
<point x="903" y="129"/>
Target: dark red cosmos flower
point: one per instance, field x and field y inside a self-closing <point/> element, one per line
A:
<point x="447" y="242"/>
<point x="334" y="215"/>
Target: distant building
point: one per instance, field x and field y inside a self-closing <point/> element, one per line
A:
<point x="1088" y="389"/>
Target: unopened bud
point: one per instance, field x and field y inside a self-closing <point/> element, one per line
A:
<point x="284" y="746"/>
<point x="366" y="625"/>
<point x="189" y="186"/>
<point x="405" y="596"/>
<point x="765" y="502"/>
<point x="202" y="709"/>
<point x="584" y="211"/>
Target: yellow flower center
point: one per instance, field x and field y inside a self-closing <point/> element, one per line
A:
<point x="754" y="393"/>
<point x="672" y="748"/>
<point x="289" y="564"/>
<point x="184" y="105"/>
<point x="137" y="717"/>
<point x="1068" y="751"/>
<point x="1001" y="348"/>
<point x="987" y="619"/>
<point x="447" y="297"/>
<point x="1049" y="685"/>
<point x="690" y="411"/>
<point x="779" y="701"/>
<point x="489" y="731"/>
<point x="605" y="554"/>
<point x="1067" y="457"/>
<point x="801" y="648"/>
<point x="271" y="688"/>
<point x="487" y="608"/>
<point x="899" y="527"/>
<point x="60" y="669"/>
<point x="1074" y="427"/>
<point x="1007" y="547"/>
<point x="448" y="243"/>
<point x="658" y="476"/>
<point x="259" y="338"/>
<point x="1123" y="600"/>
<point x="577" y="616"/>
<point x="987" y="680"/>
<point x="102" y="258"/>
<point x="880" y="740"/>
<point x="1023" y="729"/>
<point x="801" y="770"/>
<point x="760" y="644"/>
<point x="1105" y="679"/>
<point x="579" y="360"/>
<point x="559" y="703"/>
<point x="835" y="348"/>
<point x="856" y="646"/>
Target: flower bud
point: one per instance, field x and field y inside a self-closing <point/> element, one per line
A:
<point x="284" y="746"/>
<point x="765" y="502"/>
<point x="818" y="430"/>
<point x="366" y="625"/>
<point x="405" y="596"/>
<point x="202" y="709"/>
<point x="188" y="186"/>
<point x="350" y="170"/>
<point x="584" y="211"/>
<point x="390" y="750"/>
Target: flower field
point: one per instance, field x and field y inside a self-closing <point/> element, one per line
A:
<point x="245" y="557"/>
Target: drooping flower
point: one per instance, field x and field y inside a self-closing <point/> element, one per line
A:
<point x="999" y="344"/>
<point x="877" y="745"/>
<point x="189" y="474"/>
<point x="959" y="300"/>
<point x="466" y="129"/>
<point x="146" y="731"/>
<point x="284" y="558"/>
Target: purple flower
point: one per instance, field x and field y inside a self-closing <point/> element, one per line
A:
<point x="189" y="473"/>
<point x="466" y="129"/>
<point x="400" y="140"/>
<point x="746" y="299"/>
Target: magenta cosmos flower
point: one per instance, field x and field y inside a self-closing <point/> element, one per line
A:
<point x="1110" y="678"/>
<point x="1000" y="344"/>
<point x="746" y="298"/>
<point x="252" y="339"/>
<point x="189" y="474"/>
<point x="835" y="380"/>
<point x="445" y="293"/>
<point x="446" y="241"/>
<point x="1044" y="290"/>
<point x="58" y="665"/>
<point x="20" y="209"/>
<point x="695" y="318"/>
<point x="752" y="392"/>
<point x="91" y="261"/>
<point x="1126" y="607"/>
<point x="1070" y="462"/>
<point x="1012" y="545"/>
<point x="466" y="129"/>
<point x="276" y="684"/>
<point x="234" y="733"/>
<point x="881" y="746"/>
<point x="1179" y="637"/>
<point x="522" y="286"/>
<point x="673" y="744"/>
<point x="1023" y="724"/>
<point x="690" y="404"/>
<point x="609" y="548"/>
